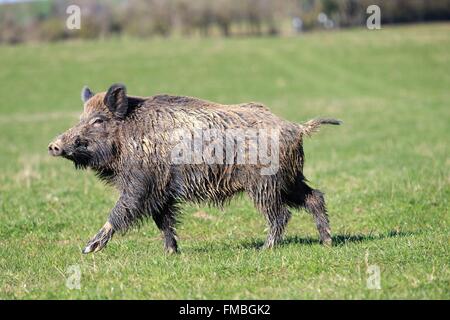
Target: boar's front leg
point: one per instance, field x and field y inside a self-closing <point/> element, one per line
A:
<point x="126" y="211"/>
<point x="100" y="239"/>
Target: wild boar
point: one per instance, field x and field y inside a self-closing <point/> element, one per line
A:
<point x="146" y="147"/>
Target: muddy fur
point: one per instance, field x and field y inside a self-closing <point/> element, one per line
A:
<point x="128" y="140"/>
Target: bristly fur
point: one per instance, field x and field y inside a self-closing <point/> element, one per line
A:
<point x="313" y="125"/>
<point x="127" y="141"/>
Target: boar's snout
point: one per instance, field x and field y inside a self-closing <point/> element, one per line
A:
<point x="55" y="148"/>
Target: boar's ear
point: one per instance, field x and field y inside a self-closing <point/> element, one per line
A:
<point x="116" y="100"/>
<point x="86" y="94"/>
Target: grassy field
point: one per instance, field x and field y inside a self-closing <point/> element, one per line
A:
<point x="385" y="172"/>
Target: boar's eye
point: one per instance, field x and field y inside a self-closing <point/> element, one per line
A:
<point x="97" y="121"/>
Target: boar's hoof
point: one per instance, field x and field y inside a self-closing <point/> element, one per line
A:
<point x="267" y="246"/>
<point x="327" y="242"/>
<point x="171" y="250"/>
<point x="100" y="240"/>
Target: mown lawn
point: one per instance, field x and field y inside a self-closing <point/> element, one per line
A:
<point x="385" y="172"/>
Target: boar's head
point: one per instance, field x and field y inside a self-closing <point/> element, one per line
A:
<point x="93" y="141"/>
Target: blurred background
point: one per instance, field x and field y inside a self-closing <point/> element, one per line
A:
<point x="41" y="20"/>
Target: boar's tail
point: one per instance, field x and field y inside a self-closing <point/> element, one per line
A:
<point x="313" y="125"/>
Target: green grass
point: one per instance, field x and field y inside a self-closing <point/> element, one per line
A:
<point x="385" y="172"/>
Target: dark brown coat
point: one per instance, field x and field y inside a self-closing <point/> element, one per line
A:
<point x="129" y="142"/>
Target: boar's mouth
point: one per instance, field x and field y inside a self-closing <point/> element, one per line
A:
<point x="81" y="159"/>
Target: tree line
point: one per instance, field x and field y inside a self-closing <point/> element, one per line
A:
<point x="46" y="20"/>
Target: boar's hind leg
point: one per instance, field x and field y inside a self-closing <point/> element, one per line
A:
<point x="315" y="204"/>
<point x="303" y="196"/>
<point x="276" y="214"/>
<point x="165" y="221"/>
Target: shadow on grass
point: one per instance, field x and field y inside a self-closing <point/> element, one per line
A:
<point x="338" y="240"/>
